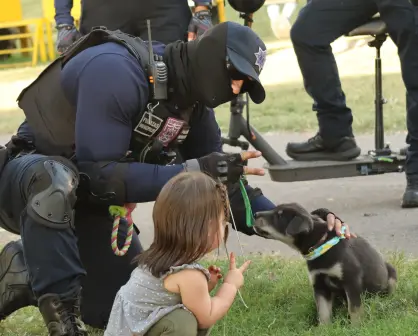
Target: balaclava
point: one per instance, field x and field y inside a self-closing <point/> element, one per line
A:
<point x="202" y="70"/>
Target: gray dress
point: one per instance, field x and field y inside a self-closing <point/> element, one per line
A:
<point x="143" y="301"/>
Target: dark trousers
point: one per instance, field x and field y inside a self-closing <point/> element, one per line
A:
<point x="320" y="23"/>
<point x="58" y="260"/>
<point x="169" y="18"/>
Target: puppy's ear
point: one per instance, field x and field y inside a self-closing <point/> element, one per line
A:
<point x="299" y="225"/>
<point x="299" y="220"/>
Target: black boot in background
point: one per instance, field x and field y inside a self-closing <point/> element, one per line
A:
<point x="410" y="197"/>
<point x="317" y="149"/>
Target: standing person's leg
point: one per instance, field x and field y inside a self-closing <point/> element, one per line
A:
<point x="37" y="196"/>
<point x="320" y="23"/>
<point x="106" y="272"/>
<point x="401" y="18"/>
<point x="169" y="20"/>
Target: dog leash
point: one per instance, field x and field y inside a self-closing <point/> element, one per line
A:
<point x="249" y="221"/>
<point x="249" y="218"/>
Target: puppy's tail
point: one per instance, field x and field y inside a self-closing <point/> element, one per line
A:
<point x="392" y="278"/>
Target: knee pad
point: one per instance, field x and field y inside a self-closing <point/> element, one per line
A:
<point x="53" y="194"/>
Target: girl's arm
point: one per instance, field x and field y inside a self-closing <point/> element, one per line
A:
<point x="194" y="291"/>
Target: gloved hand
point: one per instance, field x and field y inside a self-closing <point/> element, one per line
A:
<point x="334" y="222"/>
<point x="67" y="35"/>
<point x="201" y="22"/>
<point x="228" y="168"/>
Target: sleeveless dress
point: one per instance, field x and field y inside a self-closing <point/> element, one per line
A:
<point x="143" y="301"/>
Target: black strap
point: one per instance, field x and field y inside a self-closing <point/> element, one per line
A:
<point x="99" y="35"/>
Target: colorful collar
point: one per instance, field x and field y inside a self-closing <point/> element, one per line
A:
<point x="322" y="249"/>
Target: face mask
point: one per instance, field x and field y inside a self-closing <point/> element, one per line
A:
<point x="210" y="76"/>
<point x="203" y="70"/>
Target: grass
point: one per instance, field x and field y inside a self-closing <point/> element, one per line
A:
<point x="288" y="108"/>
<point x="280" y="302"/>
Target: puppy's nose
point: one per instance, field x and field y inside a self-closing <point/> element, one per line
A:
<point x="256" y="215"/>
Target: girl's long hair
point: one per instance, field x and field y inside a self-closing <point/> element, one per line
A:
<point x="186" y="218"/>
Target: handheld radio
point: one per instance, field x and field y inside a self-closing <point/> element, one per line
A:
<point x="157" y="71"/>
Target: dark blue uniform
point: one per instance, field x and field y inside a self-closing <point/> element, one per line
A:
<point x="169" y="18"/>
<point x="109" y="88"/>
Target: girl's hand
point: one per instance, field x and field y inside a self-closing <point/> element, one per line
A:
<point x="215" y="276"/>
<point x="235" y="275"/>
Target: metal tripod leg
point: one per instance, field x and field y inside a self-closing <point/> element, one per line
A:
<point x="379" y="100"/>
<point x="238" y="126"/>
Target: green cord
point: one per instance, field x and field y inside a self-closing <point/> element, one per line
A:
<point x="248" y="211"/>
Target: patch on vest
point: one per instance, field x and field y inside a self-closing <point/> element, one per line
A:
<point x="148" y="125"/>
<point x="171" y="129"/>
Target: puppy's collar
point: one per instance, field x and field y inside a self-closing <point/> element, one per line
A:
<point x="322" y="249"/>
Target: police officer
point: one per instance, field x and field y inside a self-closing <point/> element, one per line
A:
<point x="123" y="138"/>
<point x="171" y="19"/>
<point x="321" y="22"/>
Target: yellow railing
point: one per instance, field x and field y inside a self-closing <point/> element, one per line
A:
<point x="28" y="33"/>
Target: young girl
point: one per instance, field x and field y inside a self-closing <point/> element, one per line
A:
<point x="168" y="294"/>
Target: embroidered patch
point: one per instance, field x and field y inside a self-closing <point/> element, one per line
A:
<point x="260" y="58"/>
<point x="148" y="125"/>
<point x="171" y="128"/>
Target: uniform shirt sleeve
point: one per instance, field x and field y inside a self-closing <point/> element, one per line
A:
<point x="63" y="12"/>
<point x="111" y="91"/>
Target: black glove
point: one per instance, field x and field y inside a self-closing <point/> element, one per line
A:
<point x="18" y="144"/>
<point x="201" y="22"/>
<point x="228" y="168"/>
<point x="67" y="35"/>
<point x="323" y="213"/>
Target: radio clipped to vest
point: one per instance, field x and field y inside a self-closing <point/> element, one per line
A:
<point x="157" y="72"/>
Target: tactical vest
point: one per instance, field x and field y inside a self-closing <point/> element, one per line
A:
<point x="156" y="133"/>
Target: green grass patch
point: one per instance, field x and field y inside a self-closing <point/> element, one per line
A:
<point x="289" y="108"/>
<point x="280" y="302"/>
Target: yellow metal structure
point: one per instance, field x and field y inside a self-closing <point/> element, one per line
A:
<point x="220" y="5"/>
<point x="29" y="33"/>
<point x="48" y="10"/>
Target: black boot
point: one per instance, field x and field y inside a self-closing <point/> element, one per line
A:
<point x="61" y="314"/>
<point x="410" y="197"/>
<point x="15" y="289"/>
<point x="316" y="149"/>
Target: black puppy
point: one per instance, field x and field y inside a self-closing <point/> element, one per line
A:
<point x="337" y="267"/>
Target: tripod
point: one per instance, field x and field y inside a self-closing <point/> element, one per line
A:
<point x="239" y="126"/>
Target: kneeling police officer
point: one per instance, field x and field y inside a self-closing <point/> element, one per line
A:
<point x="108" y="123"/>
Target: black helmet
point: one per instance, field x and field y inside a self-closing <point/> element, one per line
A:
<point x="246" y="6"/>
